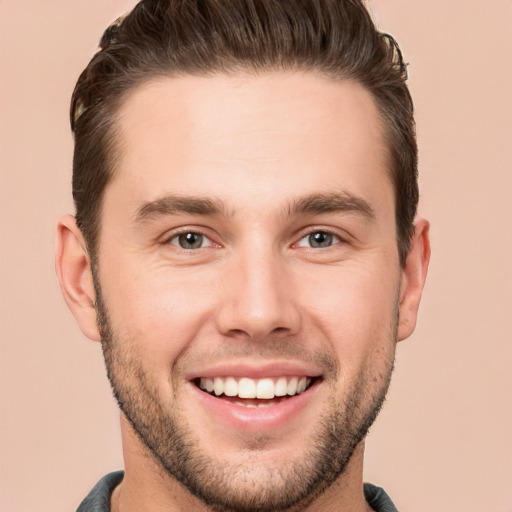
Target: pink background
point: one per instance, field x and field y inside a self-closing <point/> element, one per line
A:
<point x="442" y="442"/>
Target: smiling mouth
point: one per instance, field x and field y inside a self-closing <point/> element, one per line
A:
<point x="249" y="392"/>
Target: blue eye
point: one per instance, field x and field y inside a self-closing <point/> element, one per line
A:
<point x="190" y="240"/>
<point x="319" y="240"/>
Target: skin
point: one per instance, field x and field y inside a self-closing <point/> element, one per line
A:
<point x="256" y="291"/>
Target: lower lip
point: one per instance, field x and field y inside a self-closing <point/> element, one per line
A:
<point x="256" y="418"/>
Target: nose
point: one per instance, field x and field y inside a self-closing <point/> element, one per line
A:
<point x="259" y="298"/>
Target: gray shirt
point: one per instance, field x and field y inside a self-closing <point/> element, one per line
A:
<point x="98" y="500"/>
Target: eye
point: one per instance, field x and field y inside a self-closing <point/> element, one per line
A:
<point x="190" y="240"/>
<point x="319" y="240"/>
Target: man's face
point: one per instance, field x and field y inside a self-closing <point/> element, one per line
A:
<point x="248" y="243"/>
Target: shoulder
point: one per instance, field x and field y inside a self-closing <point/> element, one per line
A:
<point x="378" y="499"/>
<point x="98" y="500"/>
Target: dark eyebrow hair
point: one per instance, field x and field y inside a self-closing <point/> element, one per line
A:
<point x="311" y="204"/>
<point x="171" y="204"/>
<point x="330" y="202"/>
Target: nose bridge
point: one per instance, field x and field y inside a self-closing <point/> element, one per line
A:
<point x="258" y="295"/>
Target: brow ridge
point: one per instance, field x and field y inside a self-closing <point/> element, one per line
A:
<point x="330" y="202"/>
<point x="317" y="203"/>
<point x="173" y="204"/>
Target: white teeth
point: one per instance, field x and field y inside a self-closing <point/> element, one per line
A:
<point x="230" y="387"/>
<point x="245" y="387"/>
<point x="265" y="388"/>
<point x="266" y="404"/>
<point x="280" y="387"/>
<point x="218" y="386"/>
<point x="292" y="386"/>
<point x="208" y="385"/>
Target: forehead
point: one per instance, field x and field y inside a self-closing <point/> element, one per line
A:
<point x="240" y="136"/>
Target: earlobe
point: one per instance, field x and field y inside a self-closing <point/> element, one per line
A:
<point x="73" y="267"/>
<point x="413" y="279"/>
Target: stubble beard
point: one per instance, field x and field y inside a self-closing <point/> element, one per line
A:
<point x="235" y="487"/>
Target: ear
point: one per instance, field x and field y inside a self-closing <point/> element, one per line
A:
<point x="414" y="274"/>
<point x="73" y="268"/>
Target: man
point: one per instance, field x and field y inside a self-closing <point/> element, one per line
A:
<point x="245" y="248"/>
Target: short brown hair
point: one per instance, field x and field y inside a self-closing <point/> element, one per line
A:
<point x="335" y="38"/>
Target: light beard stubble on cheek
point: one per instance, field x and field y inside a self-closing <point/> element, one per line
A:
<point x="239" y="487"/>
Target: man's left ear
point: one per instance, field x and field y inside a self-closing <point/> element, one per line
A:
<point x="414" y="274"/>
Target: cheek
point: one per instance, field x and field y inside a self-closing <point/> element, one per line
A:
<point x="356" y="311"/>
<point x="157" y="309"/>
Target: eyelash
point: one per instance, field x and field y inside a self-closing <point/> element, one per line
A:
<point x="335" y="239"/>
<point x="169" y="240"/>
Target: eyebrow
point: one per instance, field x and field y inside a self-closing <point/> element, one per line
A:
<point x="330" y="202"/>
<point x="315" y="204"/>
<point x="172" y="205"/>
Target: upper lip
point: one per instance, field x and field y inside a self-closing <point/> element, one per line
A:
<point x="256" y="370"/>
